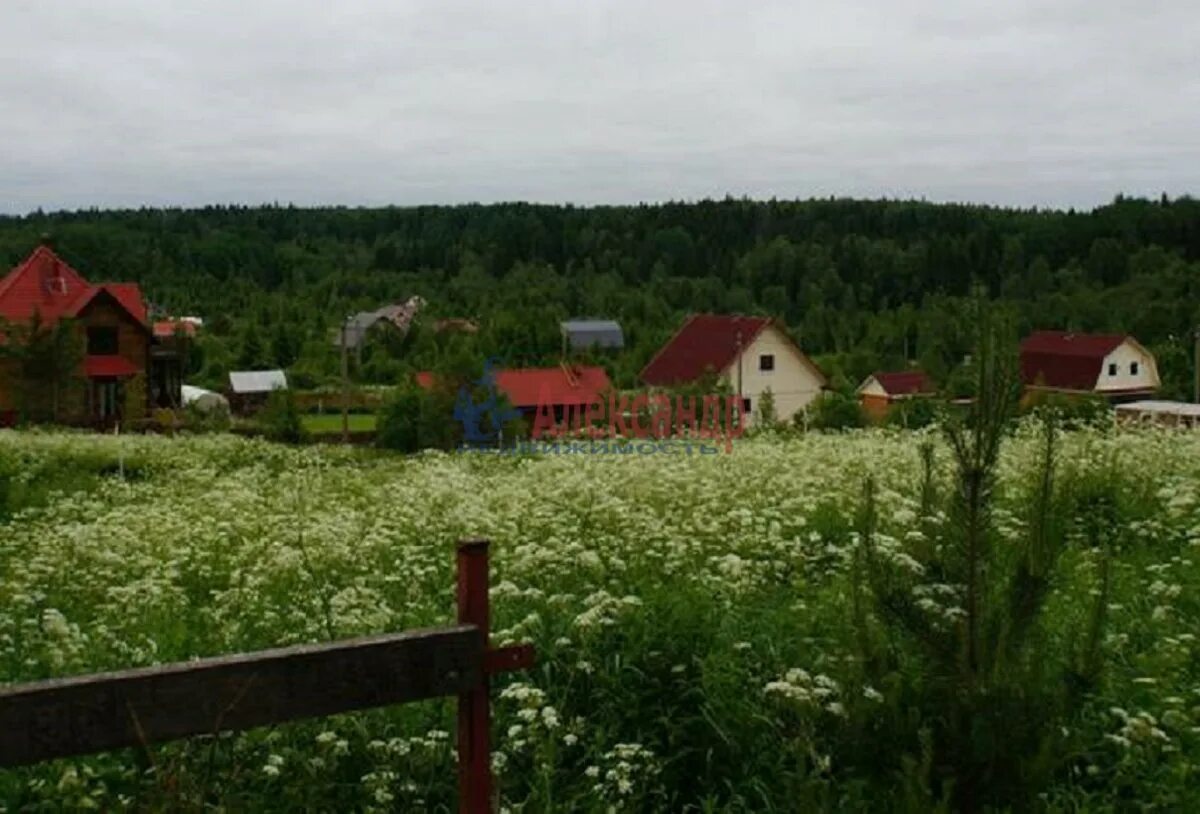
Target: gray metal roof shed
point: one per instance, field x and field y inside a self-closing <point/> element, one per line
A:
<point x="586" y="333"/>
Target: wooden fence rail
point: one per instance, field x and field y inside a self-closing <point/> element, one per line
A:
<point x="92" y="713"/>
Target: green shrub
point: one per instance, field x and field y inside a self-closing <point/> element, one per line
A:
<point x="835" y="410"/>
<point x="765" y="415"/>
<point x="913" y="413"/>
<point x="1072" y="411"/>
<point x="399" y="420"/>
<point x="281" y="419"/>
<point x="7" y="471"/>
<point x="212" y="419"/>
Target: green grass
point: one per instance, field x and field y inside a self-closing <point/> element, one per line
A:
<point x="332" y="422"/>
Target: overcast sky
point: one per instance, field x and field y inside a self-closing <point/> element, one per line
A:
<point x="1053" y="102"/>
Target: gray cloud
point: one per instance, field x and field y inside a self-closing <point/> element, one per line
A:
<point x="1028" y="102"/>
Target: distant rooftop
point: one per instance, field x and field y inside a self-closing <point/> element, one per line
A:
<point x="901" y="382"/>
<point x="169" y="328"/>
<point x="359" y="325"/>
<point x="257" y="381"/>
<point x="585" y="333"/>
<point x="532" y="387"/>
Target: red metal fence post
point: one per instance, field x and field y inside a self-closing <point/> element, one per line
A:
<point x="474" y="716"/>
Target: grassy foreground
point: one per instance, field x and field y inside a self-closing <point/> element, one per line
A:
<point x="692" y="617"/>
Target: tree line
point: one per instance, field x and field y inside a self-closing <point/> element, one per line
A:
<point x="861" y="285"/>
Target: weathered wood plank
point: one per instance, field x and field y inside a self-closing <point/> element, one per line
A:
<point x="508" y="659"/>
<point x="93" y="713"/>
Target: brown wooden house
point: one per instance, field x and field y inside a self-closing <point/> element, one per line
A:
<point x="123" y="369"/>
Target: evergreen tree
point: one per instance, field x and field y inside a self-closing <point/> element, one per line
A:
<point x="46" y="359"/>
<point x="998" y="700"/>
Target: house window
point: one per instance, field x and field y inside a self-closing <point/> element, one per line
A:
<point x="1133" y="368"/>
<point x="766" y="361"/>
<point x="101" y="341"/>
<point x="1112" y="368"/>
<point x="746" y="406"/>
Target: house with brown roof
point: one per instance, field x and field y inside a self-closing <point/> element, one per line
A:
<point x="750" y="354"/>
<point x="455" y="325"/>
<point x="122" y="370"/>
<point x="881" y="390"/>
<point x="1115" y="366"/>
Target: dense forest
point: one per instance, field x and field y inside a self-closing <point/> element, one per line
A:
<point x="861" y="285"/>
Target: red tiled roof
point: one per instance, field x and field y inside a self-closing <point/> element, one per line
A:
<point x="705" y="342"/>
<point x="44" y="283"/>
<point x="904" y="382"/>
<point x="117" y="366"/>
<point x="529" y="387"/>
<point x="168" y="328"/>
<point x="1065" y="360"/>
<point x="130" y="297"/>
<point x="532" y="386"/>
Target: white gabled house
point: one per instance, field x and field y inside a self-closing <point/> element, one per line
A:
<point x="1115" y="366"/>
<point x="751" y="354"/>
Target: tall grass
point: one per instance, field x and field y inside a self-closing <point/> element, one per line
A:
<point x="747" y="632"/>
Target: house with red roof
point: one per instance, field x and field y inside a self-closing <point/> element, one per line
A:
<point x="123" y="368"/>
<point x="882" y="389"/>
<point x="564" y="390"/>
<point x="752" y="355"/>
<point x="175" y="328"/>
<point x="1115" y="366"/>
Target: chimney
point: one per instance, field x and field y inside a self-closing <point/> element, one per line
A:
<point x="47" y="240"/>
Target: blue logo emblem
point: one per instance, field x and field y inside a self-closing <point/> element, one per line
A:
<point x="472" y="415"/>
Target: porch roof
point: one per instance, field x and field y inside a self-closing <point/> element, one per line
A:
<point x="108" y="367"/>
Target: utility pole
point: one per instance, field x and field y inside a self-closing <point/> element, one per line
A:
<point x="741" y="402"/>
<point x="345" y="386"/>
<point x="120" y="451"/>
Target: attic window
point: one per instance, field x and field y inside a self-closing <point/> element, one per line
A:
<point x="1112" y="368"/>
<point x="766" y="362"/>
<point x="1133" y="368"/>
<point x="101" y="341"/>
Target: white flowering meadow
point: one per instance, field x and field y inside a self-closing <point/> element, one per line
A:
<point x="691" y="615"/>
